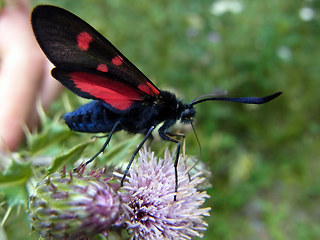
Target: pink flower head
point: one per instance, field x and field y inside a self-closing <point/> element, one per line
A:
<point x="150" y="211"/>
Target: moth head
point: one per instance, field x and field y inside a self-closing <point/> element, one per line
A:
<point x="187" y="115"/>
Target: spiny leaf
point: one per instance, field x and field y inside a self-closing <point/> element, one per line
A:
<point x="68" y="158"/>
<point x="13" y="183"/>
<point x="122" y="151"/>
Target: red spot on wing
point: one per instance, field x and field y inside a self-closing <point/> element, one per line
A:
<point x="119" y="95"/>
<point x="117" y="60"/>
<point x="103" y="68"/>
<point x="148" y="88"/>
<point x="84" y="40"/>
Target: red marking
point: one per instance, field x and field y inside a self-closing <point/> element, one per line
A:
<point x="148" y="88"/>
<point x="117" y="94"/>
<point x="103" y="68"/>
<point x="117" y="60"/>
<point x="84" y="39"/>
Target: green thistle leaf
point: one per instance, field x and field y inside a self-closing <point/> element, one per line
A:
<point x="13" y="183"/>
<point x="68" y="158"/>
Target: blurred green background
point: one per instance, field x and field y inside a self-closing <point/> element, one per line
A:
<point x="264" y="159"/>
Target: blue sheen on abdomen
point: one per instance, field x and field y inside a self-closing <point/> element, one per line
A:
<point x="93" y="117"/>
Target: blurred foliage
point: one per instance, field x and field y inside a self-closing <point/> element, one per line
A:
<point x="264" y="159"/>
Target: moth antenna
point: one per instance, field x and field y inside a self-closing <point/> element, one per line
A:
<point x="248" y="100"/>
<point x="218" y="92"/>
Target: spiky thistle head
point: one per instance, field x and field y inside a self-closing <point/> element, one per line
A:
<point x="73" y="206"/>
<point x="149" y="208"/>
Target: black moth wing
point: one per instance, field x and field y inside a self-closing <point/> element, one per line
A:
<point x="73" y="45"/>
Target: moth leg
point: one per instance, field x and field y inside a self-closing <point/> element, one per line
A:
<point x="171" y="134"/>
<point x="180" y="135"/>
<point x="105" y="144"/>
<point x="135" y="153"/>
<point x="168" y="138"/>
<point x="165" y="136"/>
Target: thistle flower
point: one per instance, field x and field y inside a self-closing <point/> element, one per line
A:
<point x="73" y="206"/>
<point x="150" y="211"/>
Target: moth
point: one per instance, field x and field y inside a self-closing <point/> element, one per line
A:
<point x="123" y="97"/>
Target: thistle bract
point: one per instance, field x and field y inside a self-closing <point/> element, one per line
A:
<point x="73" y="206"/>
